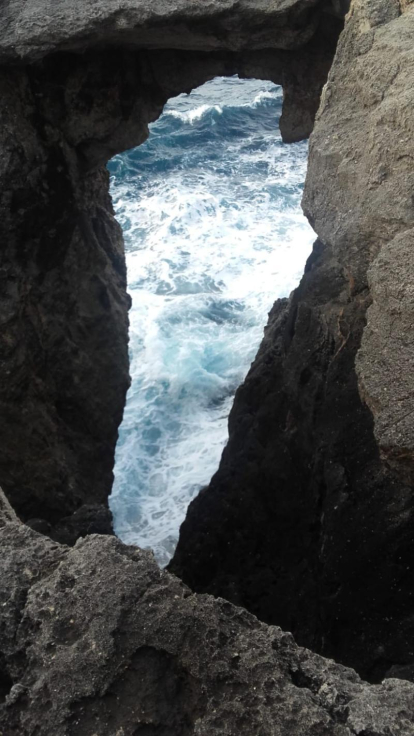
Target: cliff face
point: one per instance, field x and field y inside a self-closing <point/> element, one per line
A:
<point x="309" y="520"/>
<point x="64" y="306"/>
<point x="149" y="657"/>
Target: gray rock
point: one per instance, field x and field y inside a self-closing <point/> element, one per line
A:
<point x="385" y="362"/>
<point x="35" y="29"/>
<point x="98" y="640"/>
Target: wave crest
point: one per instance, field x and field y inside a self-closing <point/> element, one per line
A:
<point x="197" y="113"/>
<point x="192" y="116"/>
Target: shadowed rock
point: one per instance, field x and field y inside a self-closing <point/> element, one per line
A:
<point x="309" y="520"/>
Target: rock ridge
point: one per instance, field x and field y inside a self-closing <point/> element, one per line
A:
<point x="150" y="657"/>
<point x="36" y="29"/>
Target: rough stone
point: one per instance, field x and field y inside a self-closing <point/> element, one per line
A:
<point x="96" y="639"/>
<point x="385" y="362"/>
<point x="33" y="30"/>
<point x="64" y="363"/>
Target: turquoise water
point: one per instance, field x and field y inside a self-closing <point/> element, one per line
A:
<point x="210" y="208"/>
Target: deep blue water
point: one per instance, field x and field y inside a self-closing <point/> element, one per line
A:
<point x="210" y="208"/>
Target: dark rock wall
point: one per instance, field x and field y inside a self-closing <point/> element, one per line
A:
<point x="292" y="526"/>
<point x="64" y="365"/>
<point x="309" y="521"/>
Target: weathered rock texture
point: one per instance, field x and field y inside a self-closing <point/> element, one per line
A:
<point x="96" y="639"/>
<point x="64" y="363"/>
<point x="33" y="30"/>
<point x="309" y="521"/>
<point x="64" y="367"/>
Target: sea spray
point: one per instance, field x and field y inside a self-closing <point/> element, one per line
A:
<point x="210" y="208"/>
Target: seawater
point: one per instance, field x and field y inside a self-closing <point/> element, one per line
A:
<point x="210" y="209"/>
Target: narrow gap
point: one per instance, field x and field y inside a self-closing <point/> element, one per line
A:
<point x="214" y="233"/>
<point x="6" y="682"/>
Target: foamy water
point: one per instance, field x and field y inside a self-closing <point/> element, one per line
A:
<point x="210" y="207"/>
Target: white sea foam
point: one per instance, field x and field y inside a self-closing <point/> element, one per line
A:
<point x="238" y="102"/>
<point x="266" y="95"/>
<point x="191" y="116"/>
<point x="212" y="242"/>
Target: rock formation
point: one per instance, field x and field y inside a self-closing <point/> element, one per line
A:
<point x="309" y="521"/>
<point x="96" y="639"/>
<point x="80" y="83"/>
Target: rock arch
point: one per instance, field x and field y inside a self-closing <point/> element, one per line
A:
<point x="80" y="83"/>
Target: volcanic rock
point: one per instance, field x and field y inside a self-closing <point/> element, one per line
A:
<point x="96" y="639"/>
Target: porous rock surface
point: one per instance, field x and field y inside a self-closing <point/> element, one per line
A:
<point x="309" y="521"/>
<point x="32" y="30"/>
<point x="96" y="639"/>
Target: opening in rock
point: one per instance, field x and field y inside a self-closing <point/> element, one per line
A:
<point x="210" y="208"/>
<point x="6" y="683"/>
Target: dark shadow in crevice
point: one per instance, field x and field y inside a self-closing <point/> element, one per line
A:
<point x="6" y="682"/>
